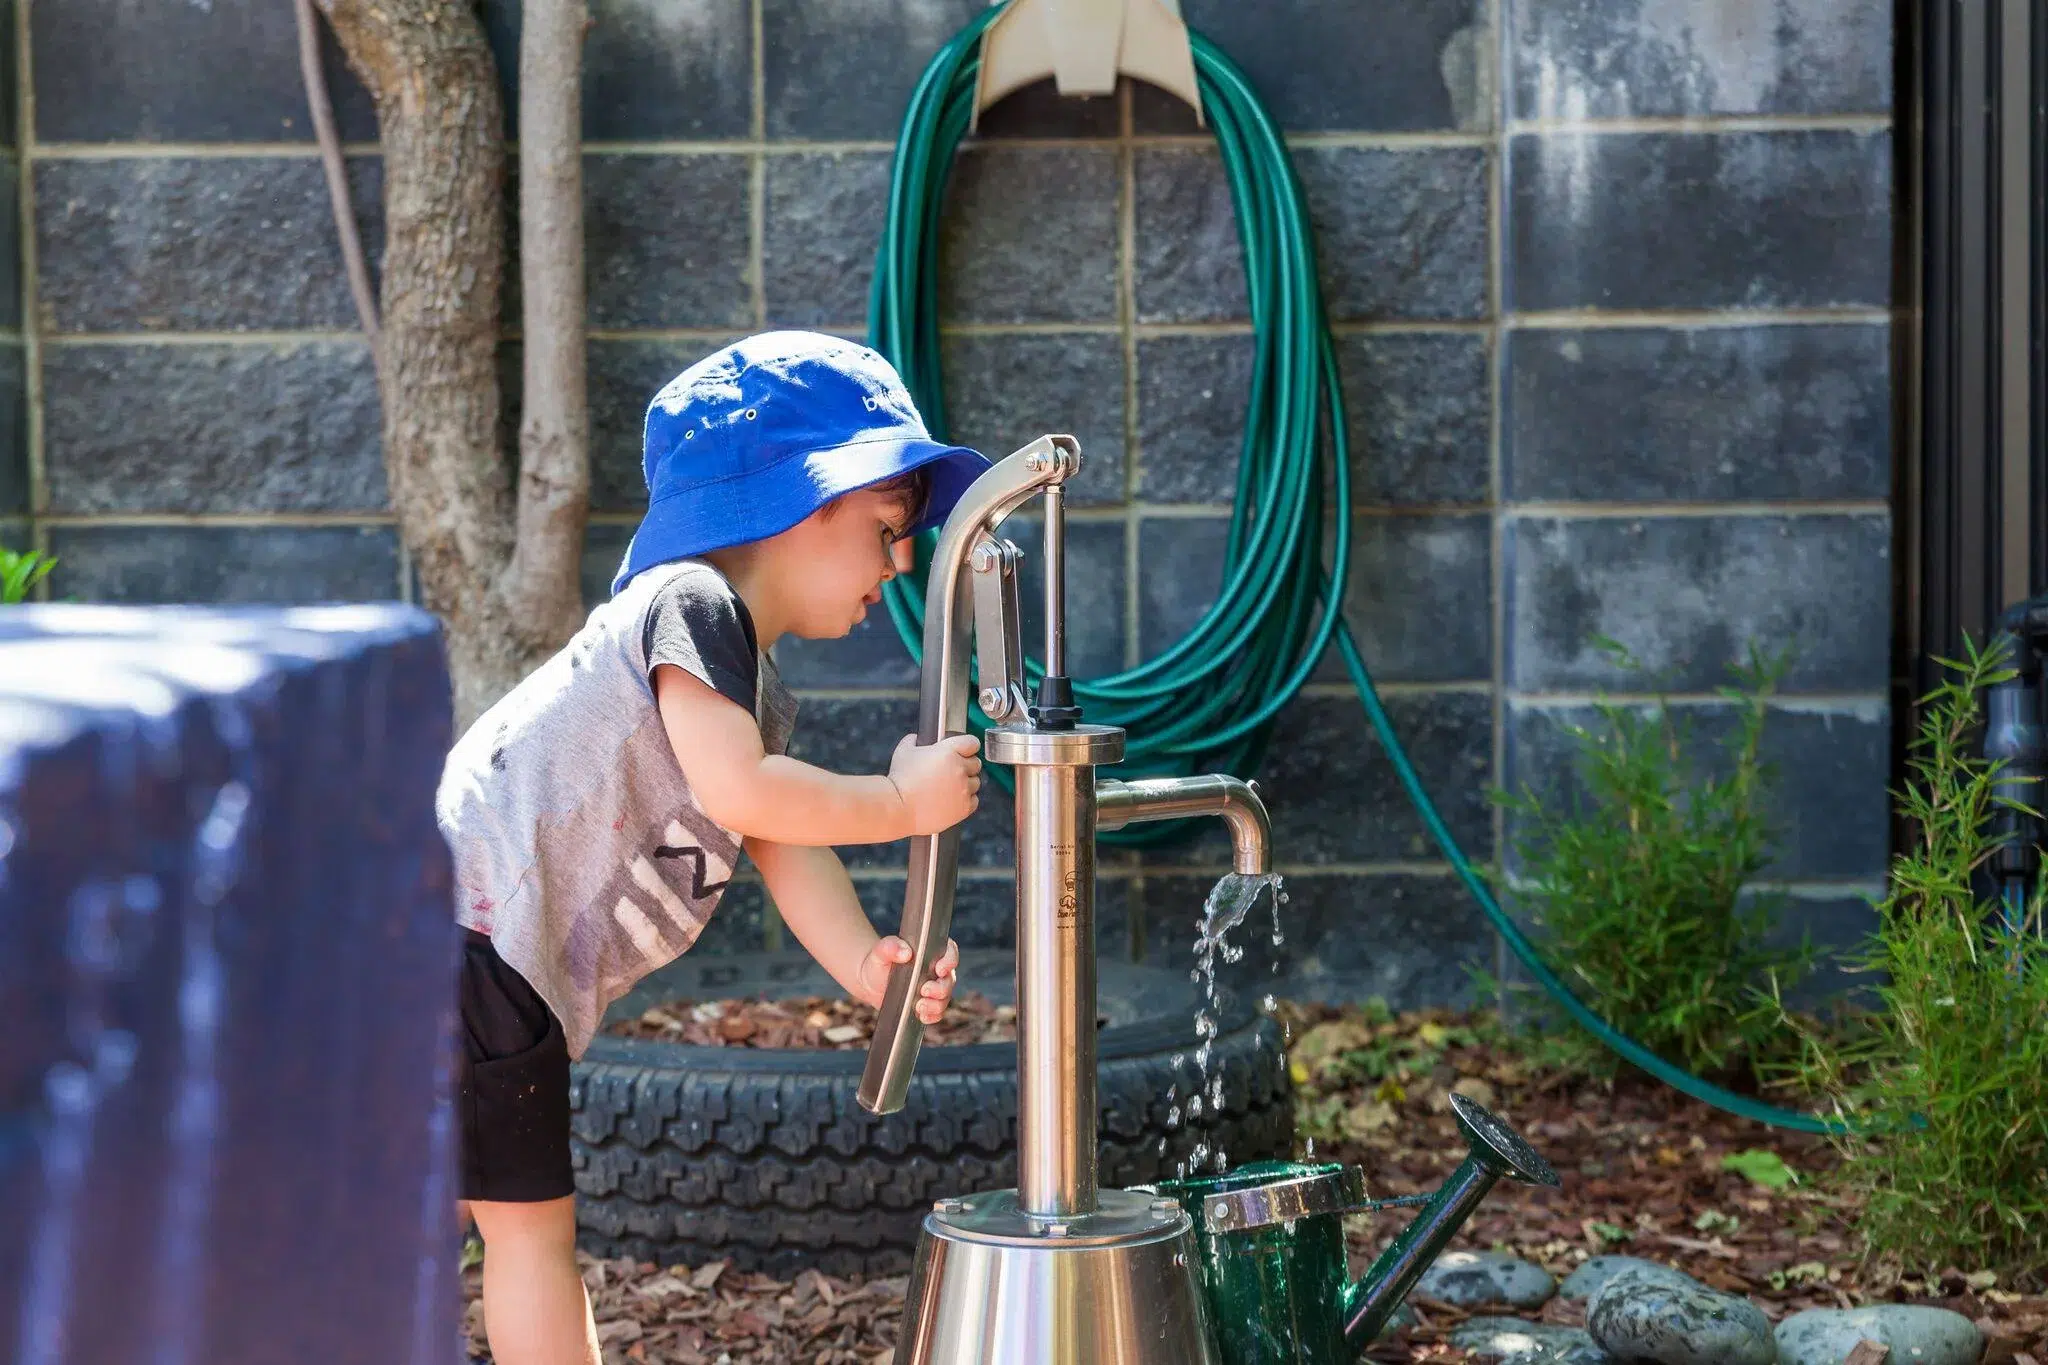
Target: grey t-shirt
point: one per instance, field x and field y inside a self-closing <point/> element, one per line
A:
<point x="579" y="847"/>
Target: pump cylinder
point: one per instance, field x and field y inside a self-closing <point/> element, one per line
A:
<point x="1056" y="991"/>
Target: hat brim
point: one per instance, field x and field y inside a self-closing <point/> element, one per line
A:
<point x="766" y="502"/>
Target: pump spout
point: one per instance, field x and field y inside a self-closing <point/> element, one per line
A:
<point x="1169" y="798"/>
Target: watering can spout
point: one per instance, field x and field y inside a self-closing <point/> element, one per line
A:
<point x="1495" y="1151"/>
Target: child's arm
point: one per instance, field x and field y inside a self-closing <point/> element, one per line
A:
<point x="817" y="902"/>
<point x="780" y="800"/>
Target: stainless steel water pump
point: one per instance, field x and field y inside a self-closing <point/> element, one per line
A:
<point x="1057" y="1271"/>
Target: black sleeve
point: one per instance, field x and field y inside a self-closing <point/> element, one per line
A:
<point x="698" y="623"/>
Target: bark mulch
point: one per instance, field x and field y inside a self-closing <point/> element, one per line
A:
<point x="812" y="1021"/>
<point x="1646" y="1173"/>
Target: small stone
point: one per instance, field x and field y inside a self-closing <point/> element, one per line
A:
<point x="1515" y="1342"/>
<point x="1917" y="1335"/>
<point x="1638" y="1316"/>
<point x="1486" y="1279"/>
<point x="844" y="1033"/>
<point x="1589" y="1278"/>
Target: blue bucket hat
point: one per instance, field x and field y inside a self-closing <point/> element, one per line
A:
<point x="752" y="439"/>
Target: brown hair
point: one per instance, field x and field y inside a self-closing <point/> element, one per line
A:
<point x="911" y="491"/>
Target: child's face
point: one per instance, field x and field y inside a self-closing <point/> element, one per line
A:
<point x="838" y="559"/>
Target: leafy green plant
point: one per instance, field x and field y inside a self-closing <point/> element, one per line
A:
<point x="1945" y="1087"/>
<point x="20" y="572"/>
<point x="1639" y="886"/>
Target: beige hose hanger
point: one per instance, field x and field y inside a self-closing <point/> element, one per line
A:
<point x="1084" y="45"/>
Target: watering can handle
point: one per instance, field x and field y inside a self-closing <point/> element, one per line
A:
<point x="942" y="711"/>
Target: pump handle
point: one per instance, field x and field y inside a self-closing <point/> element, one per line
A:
<point x="942" y="711"/>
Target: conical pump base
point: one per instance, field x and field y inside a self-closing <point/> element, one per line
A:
<point x="994" y="1285"/>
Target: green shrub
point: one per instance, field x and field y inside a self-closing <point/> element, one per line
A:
<point x="19" y="573"/>
<point x="1946" y="1083"/>
<point x="1637" y="888"/>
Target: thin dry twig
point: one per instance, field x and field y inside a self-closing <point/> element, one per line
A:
<point x="331" y="161"/>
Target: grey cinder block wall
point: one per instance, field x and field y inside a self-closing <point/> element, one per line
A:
<point x="1612" y="284"/>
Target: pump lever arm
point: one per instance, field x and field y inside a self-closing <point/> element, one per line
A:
<point x="942" y="711"/>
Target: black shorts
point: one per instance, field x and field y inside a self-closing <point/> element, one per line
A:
<point x="512" y="1085"/>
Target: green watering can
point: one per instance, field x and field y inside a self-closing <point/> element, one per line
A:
<point x="1271" y="1239"/>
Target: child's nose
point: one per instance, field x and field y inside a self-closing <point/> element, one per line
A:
<point x="899" y="556"/>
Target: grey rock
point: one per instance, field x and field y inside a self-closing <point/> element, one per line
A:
<point x="1639" y="1316"/>
<point x="1917" y="1335"/>
<point x="1515" y="1342"/>
<point x="1485" y="1279"/>
<point x="1590" y="1278"/>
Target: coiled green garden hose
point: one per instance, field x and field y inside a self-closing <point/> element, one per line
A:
<point x="1209" y="701"/>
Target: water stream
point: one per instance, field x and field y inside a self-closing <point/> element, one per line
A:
<point x="1229" y="901"/>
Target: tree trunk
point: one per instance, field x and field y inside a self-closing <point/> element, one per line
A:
<point x="442" y="130"/>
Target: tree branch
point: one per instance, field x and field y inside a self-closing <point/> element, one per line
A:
<point x="541" y="585"/>
<point x="322" y="109"/>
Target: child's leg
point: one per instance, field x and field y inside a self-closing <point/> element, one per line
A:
<point x="535" y="1308"/>
<point x="513" y="1110"/>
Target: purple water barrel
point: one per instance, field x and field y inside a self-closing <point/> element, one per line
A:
<point x="227" y="964"/>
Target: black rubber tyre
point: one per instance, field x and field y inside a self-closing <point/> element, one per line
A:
<point x="763" y="1157"/>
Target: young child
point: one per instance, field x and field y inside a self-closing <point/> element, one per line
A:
<point x="599" y="809"/>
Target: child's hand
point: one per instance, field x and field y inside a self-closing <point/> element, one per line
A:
<point x="940" y="783"/>
<point x="874" y="977"/>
